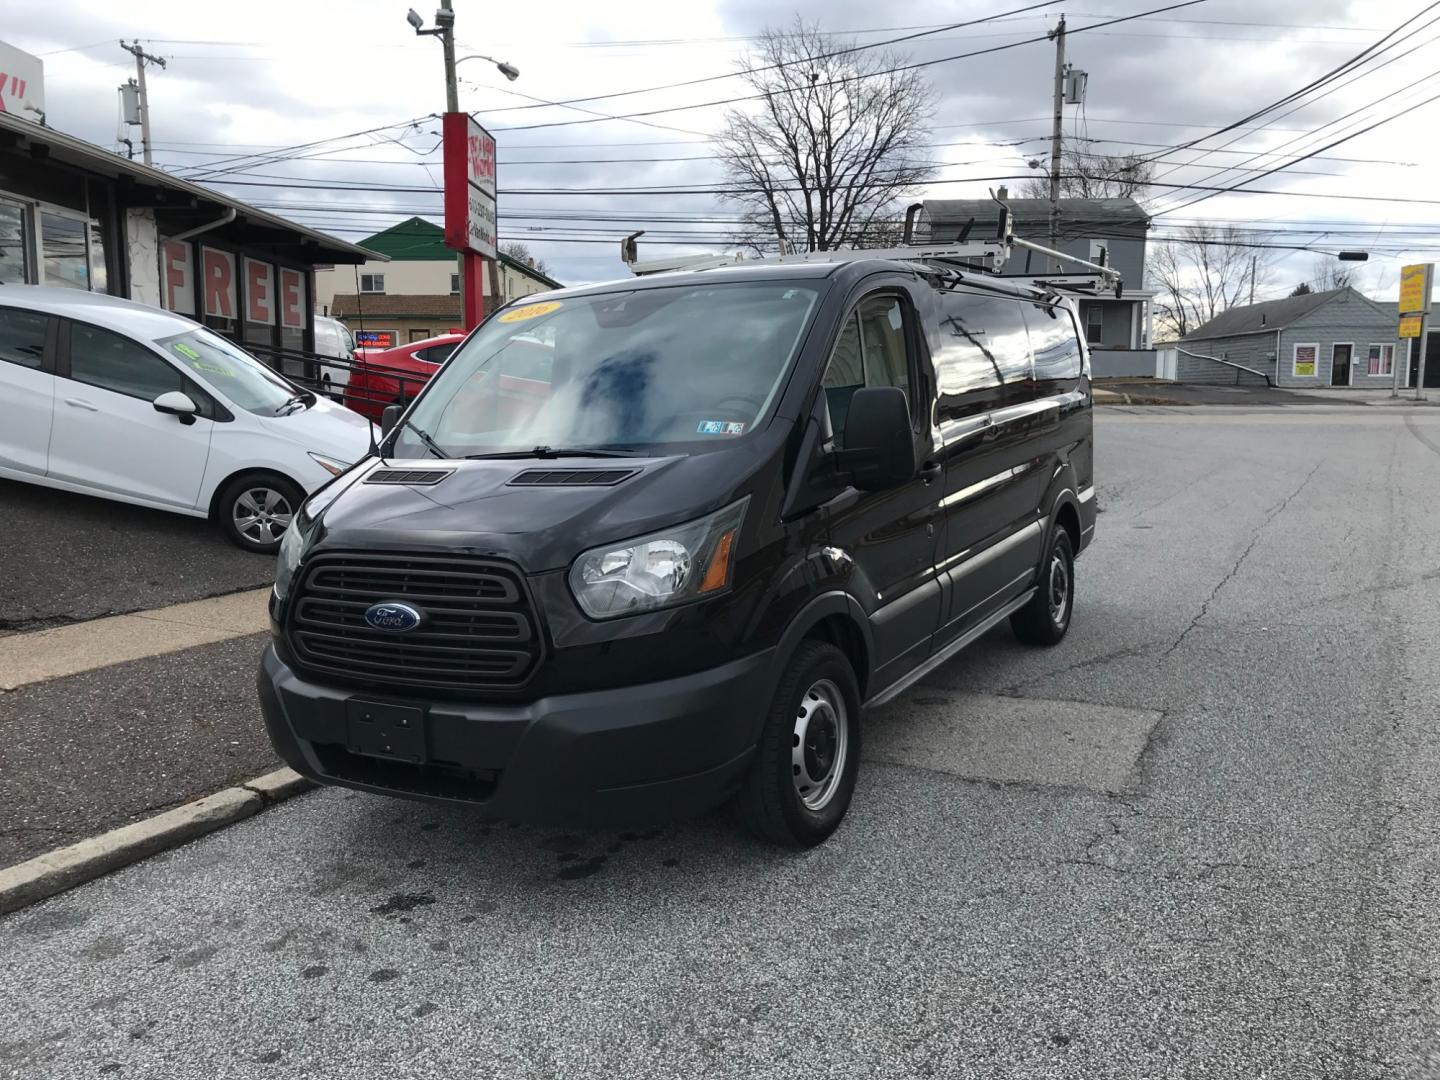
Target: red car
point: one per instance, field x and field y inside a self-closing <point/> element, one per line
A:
<point x="393" y="376"/>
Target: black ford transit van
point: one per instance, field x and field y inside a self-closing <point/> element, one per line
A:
<point x="645" y="547"/>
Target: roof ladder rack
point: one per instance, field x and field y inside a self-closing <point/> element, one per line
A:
<point x="985" y="256"/>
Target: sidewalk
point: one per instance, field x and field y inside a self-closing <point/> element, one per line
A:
<point x="1159" y="392"/>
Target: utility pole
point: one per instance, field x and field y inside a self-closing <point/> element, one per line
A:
<point x="141" y="58"/>
<point x="1059" y="35"/>
<point x="1252" y="279"/>
<point x="445" y="23"/>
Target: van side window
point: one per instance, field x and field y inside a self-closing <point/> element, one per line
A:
<point x="982" y="346"/>
<point x="1056" y="344"/>
<point x="870" y="351"/>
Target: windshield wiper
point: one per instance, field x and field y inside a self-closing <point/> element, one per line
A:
<point x="430" y="444"/>
<point x="558" y="452"/>
<point x="290" y="403"/>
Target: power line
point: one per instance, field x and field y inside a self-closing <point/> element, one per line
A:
<point x="869" y="75"/>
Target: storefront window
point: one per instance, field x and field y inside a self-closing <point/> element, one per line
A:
<point x="99" y="279"/>
<point x="63" y="251"/>
<point x="14" y="243"/>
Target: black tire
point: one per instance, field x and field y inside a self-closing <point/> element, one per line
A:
<point x="1046" y="618"/>
<point x="235" y="510"/>
<point x="818" y="690"/>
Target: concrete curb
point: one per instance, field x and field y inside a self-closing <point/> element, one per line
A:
<point x="56" y="871"/>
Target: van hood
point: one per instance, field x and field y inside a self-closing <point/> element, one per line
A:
<point x="326" y="428"/>
<point x="478" y="509"/>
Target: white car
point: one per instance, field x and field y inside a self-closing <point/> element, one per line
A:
<point x="107" y="397"/>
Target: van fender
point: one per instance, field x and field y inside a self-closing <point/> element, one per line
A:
<point x="1061" y="494"/>
<point x="826" y="605"/>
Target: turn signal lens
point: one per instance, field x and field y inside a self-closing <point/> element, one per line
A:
<point x="718" y="572"/>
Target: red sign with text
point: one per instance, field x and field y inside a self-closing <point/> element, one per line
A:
<point x="469" y="185"/>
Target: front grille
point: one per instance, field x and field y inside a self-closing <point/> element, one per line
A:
<point x="410" y="477"/>
<point x="572" y="477"/>
<point x="477" y="631"/>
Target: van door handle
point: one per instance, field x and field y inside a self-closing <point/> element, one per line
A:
<point x="930" y="471"/>
<point x="81" y="403"/>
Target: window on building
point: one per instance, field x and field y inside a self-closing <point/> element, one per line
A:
<point x="22" y="337"/>
<point x="64" y="254"/>
<point x="14" y="243"/>
<point x="111" y="362"/>
<point x="419" y="335"/>
<point x="454" y="284"/>
<point x="1382" y="359"/>
<point x="1094" y="324"/>
<point x="372" y="283"/>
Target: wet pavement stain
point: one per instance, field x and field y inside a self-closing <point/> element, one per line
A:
<point x="384" y="975"/>
<point x="670" y="862"/>
<point x="140" y="1031"/>
<point x="196" y="957"/>
<point x="583" y="869"/>
<point x="110" y="1067"/>
<point x="430" y="826"/>
<point x="103" y="948"/>
<point x="278" y="943"/>
<point x="563" y="842"/>
<point x="270" y="1057"/>
<point x="314" y="971"/>
<point x="402" y="902"/>
<point x="426" y="1009"/>
<point x="415" y="864"/>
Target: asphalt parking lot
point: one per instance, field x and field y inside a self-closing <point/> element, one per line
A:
<point x="73" y="557"/>
<point x="1197" y="839"/>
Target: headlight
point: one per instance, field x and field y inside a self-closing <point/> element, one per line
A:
<point x="665" y="568"/>
<point x="292" y="546"/>
<point x="329" y="464"/>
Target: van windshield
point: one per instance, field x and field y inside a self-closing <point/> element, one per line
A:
<point x="619" y="370"/>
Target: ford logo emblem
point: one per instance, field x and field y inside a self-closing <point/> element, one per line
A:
<point x="393" y="617"/>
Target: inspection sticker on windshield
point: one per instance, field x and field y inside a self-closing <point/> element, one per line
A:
<point x="531" y="311"/>
<point x="720" y="427"/>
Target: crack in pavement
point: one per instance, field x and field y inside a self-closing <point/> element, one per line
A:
<point x="1275" y="512"/>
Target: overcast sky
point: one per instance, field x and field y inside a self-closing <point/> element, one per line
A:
<point x="268" y="76"/>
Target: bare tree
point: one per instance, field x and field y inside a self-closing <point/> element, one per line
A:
<point x="834" y="145"/>
<point x="521" y="253"/>
<point x="1205" y="271"/>
<point x="1326" y="274"/>
<point x="1085" y="175"/>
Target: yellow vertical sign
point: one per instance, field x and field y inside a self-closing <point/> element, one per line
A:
<point x="1415" y="289"/>
<point x="1410" y="326"/>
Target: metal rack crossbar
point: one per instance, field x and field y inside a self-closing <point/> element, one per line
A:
<point x="974" y="256"/>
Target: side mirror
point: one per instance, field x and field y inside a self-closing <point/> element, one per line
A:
<point x="879" y="450"/>
<point x="389" y="418"/>
<point x="174" y="403"/>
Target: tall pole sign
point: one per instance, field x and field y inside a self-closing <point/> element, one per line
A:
<point x="470" y="225"/>
<point x="1414" y="322"/>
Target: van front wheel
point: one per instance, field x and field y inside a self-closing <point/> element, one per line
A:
<point x="1046" y="618"/>
<point x="809" y="754"/>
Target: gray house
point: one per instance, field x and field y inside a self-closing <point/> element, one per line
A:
<point x="1334" y="338"/>
<point x="1118" y="330"/>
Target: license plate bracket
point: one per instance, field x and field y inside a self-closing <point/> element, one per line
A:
<point x="381" y="730"/>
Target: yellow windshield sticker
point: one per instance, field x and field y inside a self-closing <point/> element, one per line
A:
<point x="530" y="311"/>
<point x="213" y="369"/>
<point x="186" y="350"/>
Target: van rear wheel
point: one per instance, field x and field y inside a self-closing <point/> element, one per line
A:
<point x="809" y="754"/>
<point x="1046" y="618"/>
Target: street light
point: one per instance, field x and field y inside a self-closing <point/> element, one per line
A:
<point x="414" y="19"/>
<point x="510" y="71"/>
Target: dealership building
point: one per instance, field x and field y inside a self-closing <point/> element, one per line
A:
<point x="77" y="215"/>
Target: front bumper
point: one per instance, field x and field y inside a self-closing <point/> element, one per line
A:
<point x="637" y="754"/>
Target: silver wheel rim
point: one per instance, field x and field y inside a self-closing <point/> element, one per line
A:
<point x="1059" y="589"/>
<point x="262" y="514"/>
<point x="820" y="746"/>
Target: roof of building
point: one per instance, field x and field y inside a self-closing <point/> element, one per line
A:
<point x="68" y="150"/>
<point x="1271" y="315"/>
<point x="397" y="306"/>
<point x="986" y="212"/>
<point x="418" y="240"/>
